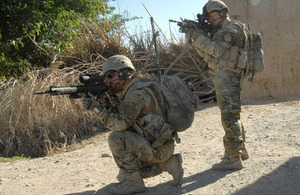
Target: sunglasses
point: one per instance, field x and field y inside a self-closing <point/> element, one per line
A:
<point x="110" y="75"/>
<point x="212" y="14"/>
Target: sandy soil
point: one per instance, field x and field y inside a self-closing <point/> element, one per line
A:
<point x="273" y="131"/>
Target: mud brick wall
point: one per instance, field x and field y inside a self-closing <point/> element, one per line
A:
<point x="279" y="23"/>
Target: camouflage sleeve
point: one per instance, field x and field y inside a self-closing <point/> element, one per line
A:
<point x="224" y="40"/>
<point x="129" y="111"/>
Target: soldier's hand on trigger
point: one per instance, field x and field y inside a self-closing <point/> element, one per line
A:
<point x="90" y="102"/>
<point x="104" y="100"/>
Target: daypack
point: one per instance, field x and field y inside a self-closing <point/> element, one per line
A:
<point x="254" y="47"/>
<point x="175" y="99"/>
<point x="251" y="59"/>
<point x="256" y="54"/>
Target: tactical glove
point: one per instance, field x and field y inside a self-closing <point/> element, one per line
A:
<point x="193" y="33"/>
<point x="90" y="103"/>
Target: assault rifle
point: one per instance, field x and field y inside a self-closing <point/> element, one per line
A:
<point x="201" y="24"/>
<point x="91" y="83"/>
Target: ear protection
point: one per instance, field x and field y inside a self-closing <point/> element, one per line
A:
<point x="223" y="13"/>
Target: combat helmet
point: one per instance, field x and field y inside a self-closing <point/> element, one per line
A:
<point x="215" y="5"/>
<point x="117" y="63"/>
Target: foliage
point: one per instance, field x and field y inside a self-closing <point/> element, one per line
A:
<point x="13" y="159"/>
<point x="33" y="31"/>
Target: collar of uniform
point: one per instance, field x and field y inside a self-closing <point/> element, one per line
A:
<point x="123" y="92"/>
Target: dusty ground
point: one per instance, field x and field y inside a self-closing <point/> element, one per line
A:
<point x="273" y="131"/>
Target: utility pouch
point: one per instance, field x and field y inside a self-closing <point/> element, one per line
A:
<point x="224" y="58"/>
<point x="234" y="51"/>
<point x="155" y="129"/>
<point x="229" y="58"/>
<point x="242" y="60"/>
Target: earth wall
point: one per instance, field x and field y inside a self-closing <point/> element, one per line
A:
<point x="278" y="22"/>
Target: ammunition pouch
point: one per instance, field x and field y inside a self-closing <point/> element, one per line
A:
<point x="154" y="128"/>
<point x="233" y="59"/>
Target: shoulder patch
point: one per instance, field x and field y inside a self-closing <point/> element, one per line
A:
<point x="227" y="38"/>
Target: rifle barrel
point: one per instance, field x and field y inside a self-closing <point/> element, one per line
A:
<point x="173" y="21"/>
<point x="41" y="92"/>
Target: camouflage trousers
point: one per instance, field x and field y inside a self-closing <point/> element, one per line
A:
<point x="132" y="152"/>
<point x="228" y="87"/>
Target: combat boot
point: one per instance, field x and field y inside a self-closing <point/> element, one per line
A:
<point x="122" y="175"/>
<point x="174" y="167"/>
<point x="133" y="183"/>
<point x="245" y="154"/>
<point x="229" y="163"/>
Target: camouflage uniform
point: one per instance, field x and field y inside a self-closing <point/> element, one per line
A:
<point x="131" y="150"/>
<point x="141" y="141"/>
<point x="219" y="53"/>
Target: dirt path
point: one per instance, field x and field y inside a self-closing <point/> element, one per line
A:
<point x="273" y="132"/>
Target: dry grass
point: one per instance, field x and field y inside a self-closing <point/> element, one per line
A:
<point x="37" y="125"/>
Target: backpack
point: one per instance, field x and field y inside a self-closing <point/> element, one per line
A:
<point x="255" y="51"/>
<point x="256" y="54"/>
<point x="177" y="100"/>
<point x="174" y="97"/>
<point x="253" y="45"/>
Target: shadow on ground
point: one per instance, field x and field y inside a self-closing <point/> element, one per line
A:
<point x="190" y="183"/>
<point x="283" y="180"/>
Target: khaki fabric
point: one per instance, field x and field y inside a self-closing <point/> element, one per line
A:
<point x="130" y="109"/>
<point x="227" y="87"/>
<point x="116" y="63"/>
<point x="133" y="152"/>
<point x="223" y="50"/>
<point x="218" y="47"/>
<point x="132" y="148"/>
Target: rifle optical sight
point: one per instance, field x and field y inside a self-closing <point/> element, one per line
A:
<point x="91" y="79"/>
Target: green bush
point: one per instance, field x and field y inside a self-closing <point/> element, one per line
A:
<point x="33" y="32"/>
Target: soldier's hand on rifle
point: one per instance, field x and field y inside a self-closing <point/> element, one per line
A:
<point x="90" y="102"/>
<point x="103" y="99"/>
<point x="193" y="33"/>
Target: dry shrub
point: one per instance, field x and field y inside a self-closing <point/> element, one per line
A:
<point x="174" y="59"/>
<point x="37" y="125"/>
<point x="97" y="42"/>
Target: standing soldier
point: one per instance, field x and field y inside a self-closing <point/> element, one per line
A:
<point x="222" y="52"/>
<point x="138" y="153"/>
